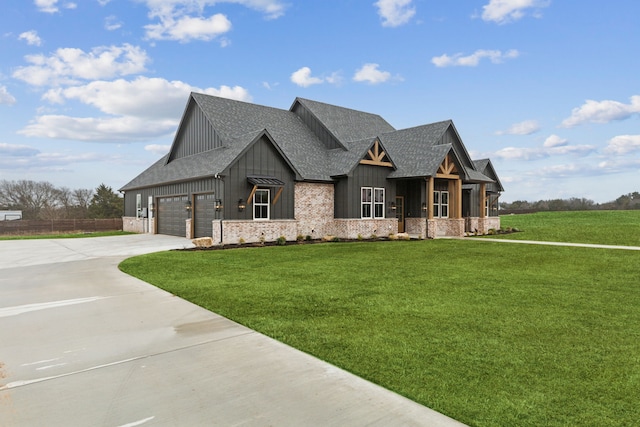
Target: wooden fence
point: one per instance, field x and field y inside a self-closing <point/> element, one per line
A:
<point x="59" y="226"/>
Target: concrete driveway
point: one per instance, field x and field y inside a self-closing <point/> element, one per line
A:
<point x="83" y="344"/>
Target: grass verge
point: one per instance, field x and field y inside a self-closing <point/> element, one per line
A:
<point x="489" y="334"/>
<point x="66" y="235"/>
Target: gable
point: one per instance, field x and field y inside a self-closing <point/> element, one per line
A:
<point x="448" y="168"/>
<point x="195" y="134"/>
<point x="337" y="126"/>
<point x="376" y="156"/>
<point x="450" y="136"/>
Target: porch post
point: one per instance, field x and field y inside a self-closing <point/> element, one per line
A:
<point x="430" y="198"/>
<point x="483" y="199"/>
<point x="458" y="198"/>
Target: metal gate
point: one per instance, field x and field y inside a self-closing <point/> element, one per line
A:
<point x="204" y="211"/>
<point x="171" y="215"/>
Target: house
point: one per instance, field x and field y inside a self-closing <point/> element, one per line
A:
<point x="240" y="172"/>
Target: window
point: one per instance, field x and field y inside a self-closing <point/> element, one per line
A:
<point x="261" y="204"/>
<point x="378" y="203"/>
<point x="486" y="206"/>
<point x="441" y="204"/>
<point x="371" y="202"/>
<point x="365" y="202"/>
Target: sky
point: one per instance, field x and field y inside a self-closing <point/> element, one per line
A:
<point x="92" y="91"/>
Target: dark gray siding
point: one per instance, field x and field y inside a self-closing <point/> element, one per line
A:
<point x="196" y="134"/>
<point x="471" y="202"/>
<point x="414" y="192"/>
<point x="186" y="188"/>
<point x="316" y="127"/>
<point x="347" y="192"/>
<point x="203" y="214"/>
<point x="261" y="159"/>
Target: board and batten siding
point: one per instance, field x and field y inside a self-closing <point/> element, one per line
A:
<point x="207" y="185"/>
<point x="196" y="134"/>
<point x="260" y="159"/>
<point x="347" y="194"/>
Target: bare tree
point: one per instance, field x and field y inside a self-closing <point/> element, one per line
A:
<point x="33" y="198"/>
<point x="81" y="200"/>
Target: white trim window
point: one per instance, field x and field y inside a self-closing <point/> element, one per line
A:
<point x="371" y="203"/>
<point x="378" y="202"/>
<point x="486" y="206"/>
<point x="261" y="204"/>
<point x="366" y="199"/>
<point x="441" y="204"/>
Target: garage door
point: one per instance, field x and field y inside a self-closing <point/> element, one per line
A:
<point x="171" y="215"/>
<point x="204" y="211"/>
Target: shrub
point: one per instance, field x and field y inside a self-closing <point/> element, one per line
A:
<point x="307" y="238"/>
<point x="281" y="241"/>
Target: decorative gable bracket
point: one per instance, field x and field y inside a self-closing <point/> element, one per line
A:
<point x="376" y="157"/>
<point x="448" y="169"/>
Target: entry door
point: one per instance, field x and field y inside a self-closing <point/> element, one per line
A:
<point x="400" y="213"/>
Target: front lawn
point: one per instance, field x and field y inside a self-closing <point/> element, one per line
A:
<point x="487" y="333"/>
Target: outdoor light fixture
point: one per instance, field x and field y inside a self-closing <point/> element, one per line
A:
<point x="219" y="205"/>
<point x="424" y="207"/>
<point x="152" y="207"/>
<point x="187" y="205"/>
<point x="241" y="205"/>
<point x="393" y="206"/>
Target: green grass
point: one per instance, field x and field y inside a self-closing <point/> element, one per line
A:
<point x="599" y="227"/>
<point x="487" y="333"/>
<point x="66" y="235"/>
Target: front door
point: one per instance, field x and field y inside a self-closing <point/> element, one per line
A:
<point x="400" y="213"/>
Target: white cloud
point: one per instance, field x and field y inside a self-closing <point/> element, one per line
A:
<point x="31" y="37"/>
<point x="112" y="23"/>
<point x="13" y="150"/>
<point x="523" y="128"/>
<point x="142" y="97"/>
<point x="106" y="129"/>
<point x="395" y="12"/>
<point x="157" y="149"/>
<point x="623" y="144"/>
<point x="51" y="6"/>
<point x="135" y="110"/>
<point x="371" y="74"/>
<point x="69" y="65"/>
<point x="302" y="77"/>
<point x="457" y="60"/>
<point x="554" y="141"/>
<point x="6" y="97"/>
<point x="552" y="146"/>
<point x="183" y="20"/>
<point x="602" y="112"/>
<point x="187" y="28"/>
<point x="47" y="6"/>
<point x="505" y="11"/>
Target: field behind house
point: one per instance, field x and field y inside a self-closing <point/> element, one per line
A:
<point x="491" y="334"/>
<point x="599" y="227"/>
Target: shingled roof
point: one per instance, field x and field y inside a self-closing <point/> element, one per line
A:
<point x="415" y="152"/>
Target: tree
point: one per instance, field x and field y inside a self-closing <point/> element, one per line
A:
<point x="106" y="204"/>
<point x="81" y="200"/>
<point x="32" y="198"/>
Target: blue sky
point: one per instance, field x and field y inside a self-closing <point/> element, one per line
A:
<point x="92" y="91"/>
